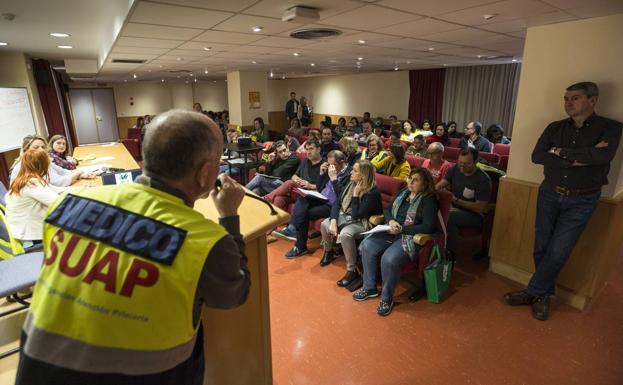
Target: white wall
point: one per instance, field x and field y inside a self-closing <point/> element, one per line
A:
<point x="556" y="56"/>
<point x="212" y="96"/>
<point x="278" y="95"/>
<point x="182" y="96"/>
<point x="380" y="93"/>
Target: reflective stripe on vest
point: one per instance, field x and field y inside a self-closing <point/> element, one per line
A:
<point x="9" y="246"/>
<point x="122" y="267"/>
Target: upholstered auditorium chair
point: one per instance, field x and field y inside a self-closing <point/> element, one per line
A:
<point x="492" y="160"/>
<point x="451" y="154"/>
<point x="414" y="160"/>
<point x="483" y="234"/>
<point x="133" y="143"/>
<point x="453" y="142"/>
<point x="502" y="149"/>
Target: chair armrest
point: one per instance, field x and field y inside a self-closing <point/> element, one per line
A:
<point x="490" y="208"/>
<point x="376" y="219"/>
<point x="421" y="239"/>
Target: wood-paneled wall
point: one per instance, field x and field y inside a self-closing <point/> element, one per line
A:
<point x="587" y="270"/>
<point x="125" y="122"/>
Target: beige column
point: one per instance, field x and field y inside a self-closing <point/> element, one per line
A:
<point x="556" y="56"/>
<point x="241" y="88"/>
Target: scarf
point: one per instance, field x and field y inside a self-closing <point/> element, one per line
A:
<point x="408" y="245"/>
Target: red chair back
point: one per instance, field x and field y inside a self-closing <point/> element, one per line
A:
<point x="134" y="133"/>
<point x="502" y="149"/>
<point x="492" y="159"/>
<point x="454" y="142"/>
<point x="503" y="162"/>
<point x="388" y="187"/>
<point x="415" y="161"/>
<point x="451" y="154"/>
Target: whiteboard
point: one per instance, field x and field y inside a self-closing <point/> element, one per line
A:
<point x="15" y="118"/>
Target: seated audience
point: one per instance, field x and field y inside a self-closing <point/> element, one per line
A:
<point x="366" y="127"/>
<point x="425" y="130"/>
<point x="413" y="211"/>
<point x="374" y="150"/>
<point x="57" y="175"/>
<point x="473" y="139"/>
<point x="312" y="134"/>
<point x="350" y="148"/>
<point x="356" y="126"/>
<point x="418" y="147"/>
<point x="281" y="165"/>
<point x="379" y="129"/>
<point x="334" y="175"/>
<point x="295" y="127"/>
<point x="394" y="165"/>
<point x="366" y="115"/>
<point x="392" y="120"/>
<point x="471" y="190"/>
<point x="59" y="153"/>
<point x="340" y="130"/>
<point x="394" y="138"/>
<point x="495" y="134"/>
<point x="452" y="132"/>
<point x="259" y="133"/>
<point x="306" y="176"/>
<point x="327" y="144"/>
<point x="292" y="142"/>
<point x="359" y="200"/>
<point x="29" y="196"/>
<point x="350" y="130"/>
<point x="407" y="131"/>
<point x="198" y="108"/>
<point x="436" y="164"/>
<point x="440" y="135"/>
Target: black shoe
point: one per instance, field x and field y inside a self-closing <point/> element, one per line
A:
<point x="348" y="278"/>
<point x="417" y="294"/>
<point x="356" y="284"/>
<point x="295" y="252"/>
<point x="517" y="298"/>
<point x="540" y="308"/>
<point x="327" y="258"/>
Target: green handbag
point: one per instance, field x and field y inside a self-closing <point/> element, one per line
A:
<point x="437" y="275"/>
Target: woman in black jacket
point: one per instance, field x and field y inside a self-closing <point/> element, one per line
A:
<point x="413" y="211"/>
<point x="349" y="217"/>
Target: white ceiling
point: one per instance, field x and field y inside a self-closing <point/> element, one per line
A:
<point x="171" y="34"/>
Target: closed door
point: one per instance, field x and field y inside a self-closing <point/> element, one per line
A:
<point x="95" y="115"/>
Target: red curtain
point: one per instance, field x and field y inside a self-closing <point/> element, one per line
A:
<point x="48" y="97"/>
<point x="4" y="171"/>
<point x="426" y="97"/>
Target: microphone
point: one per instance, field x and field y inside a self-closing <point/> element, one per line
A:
<point x="218" y="186"/>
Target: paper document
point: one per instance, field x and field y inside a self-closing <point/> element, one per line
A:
<point x="377" y="229"/>
<point x="86" y="157"/>
<point x="314" y="194"/>
<point x="235" y="161"/>
<point x="96" y="169"/>
<point x="103" y="158"/>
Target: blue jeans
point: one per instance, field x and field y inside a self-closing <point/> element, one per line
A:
<point x="262" y="185"/>
<point x="560" y="221"/>
<point x="224" y="169"/>
<point x="388" y="247"/>
<point x="458" y="218"/>
<point x="305" y="210"/>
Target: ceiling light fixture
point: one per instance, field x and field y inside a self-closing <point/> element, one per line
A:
<point x="134" y="76"/>
<point x="431" y="48"/>
<point x="254" y="62"/>
<point x="192" y="74"/>
<point x="283" y="77"/>
<point x="3" y="43"/>
<point x="271" y="74"/>
<point x="257" y="28"/>
<point x="479" y="56"/>
<point x="514" y="60"/>
<point x="361" y="41"/>
<point x="312" y="64"/>
<point x="488" y="16"/>
<point x="296" y="54"/>
<point x="205" y="71"/>
<point x="179" y="59"/>
<point x="396" y="68"/>
<point x="360" y="58"/>
<point x="59" y="34"/>
<point x="162" y="80"/>
<point x="125" y="80"/>
<point x="196" y="80"/>
<point x="148" y="70"/>
<point x="207" y="48"/>
<point x="65" y="46"/>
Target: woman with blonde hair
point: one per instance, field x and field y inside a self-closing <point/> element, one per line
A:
<point x="59" y="153"/>
<point x="350" y="148"/>
<point x="29" y="196"/>
<point x="357" y="201"/>
<point x="374" y="151"/>
<point x="57" y="175"/>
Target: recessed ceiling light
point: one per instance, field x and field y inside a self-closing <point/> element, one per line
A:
<point x="283" y="77"/>
<point x="396" y="68"/>
<point x="408" y="61"/>
<point x="134" y="76"/>
<point x="254" y="62"/>
<point x="207" y="48"/>
<point x="179" y="59"/>
<point x="178" y="76"/>
<point x="360" y="58"/>
<point x="488" y="16"/>
<point x="162" y="80"/>
<point x="59" y="34"/>
<point x="296" y="54"/>
<point x="431" y="48"/>
<point x="479" y="56"/>
<point x="125" y="80"/>
<point x="312" y="64"/>
<point x="192" y="74"/>
<point x="160" y="66"/>
<point x="362" y="42"/>
<point x="257" y="28"/>
<point x="213" y="81"/>
<point x="205" y="71"/>
<point x="196" y="80"/>
<point x="65" y="46"/>
<point x="148" y="70"/>
<point x="514" y="60"/>
<point x="271" y="74"/>
<point x="3" y="43"/>
<point x="445" y="65"/>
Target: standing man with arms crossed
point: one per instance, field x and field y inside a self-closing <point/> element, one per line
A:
<point x="129" y="266"/>
<point x="576" y="154"/>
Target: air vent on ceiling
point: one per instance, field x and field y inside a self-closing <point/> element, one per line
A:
<point x="316" y="33"/>
<point x="129" y="61"/>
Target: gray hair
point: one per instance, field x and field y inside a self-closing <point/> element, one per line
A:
<point x="590" y="89"/>
<point x="177" y="141"/>
<point x="436" y="146"/>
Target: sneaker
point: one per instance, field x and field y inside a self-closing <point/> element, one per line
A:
<point x="295" y="252"/>
<point x="384" y="308"/>
<point x="285" y="234"/>
<point x="363" y="294"/>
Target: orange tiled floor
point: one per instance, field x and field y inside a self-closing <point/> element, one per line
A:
<point x="321" y="336"/>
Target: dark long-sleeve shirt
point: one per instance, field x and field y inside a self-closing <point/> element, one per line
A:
<point x="481" y="143"/>
<point x="578" y="144"/>
<point x="425" y="220"/>
<point x="361" y="207"/>
<point x="284" y="169"/>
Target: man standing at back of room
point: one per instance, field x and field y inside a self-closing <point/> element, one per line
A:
<point x="292" y="107"/>
<point x="576" y="154"/>
<point x="128" y="268"/>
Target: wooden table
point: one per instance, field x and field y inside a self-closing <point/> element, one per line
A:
<point x="237" y="342"/>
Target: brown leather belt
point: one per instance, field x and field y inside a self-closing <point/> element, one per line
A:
<point x="572" y="193"/>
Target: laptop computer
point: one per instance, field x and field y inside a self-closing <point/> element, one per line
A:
<point x="120" y="177"/>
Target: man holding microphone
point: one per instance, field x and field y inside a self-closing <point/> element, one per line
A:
<point x="128" y="267"/>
